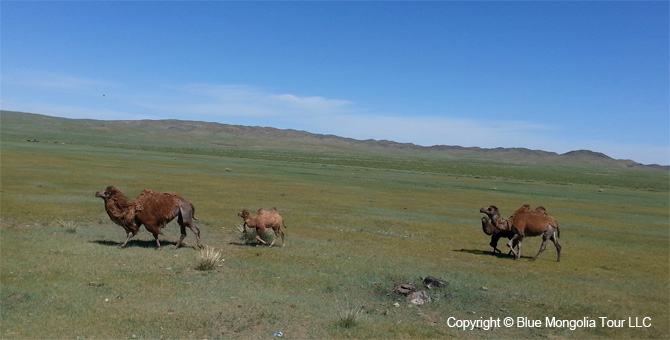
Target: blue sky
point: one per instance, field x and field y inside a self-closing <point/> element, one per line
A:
<point x="555" y="76"/>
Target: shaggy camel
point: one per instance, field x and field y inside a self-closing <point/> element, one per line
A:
<point x="496" y="230"/>
<point x="495" y="226"/>
<point x="528" y="222"/>
<point x="153" y="209"/>
<point x="264" y="219"/>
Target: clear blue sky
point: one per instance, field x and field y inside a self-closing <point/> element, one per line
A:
<point x="556" y="76"/>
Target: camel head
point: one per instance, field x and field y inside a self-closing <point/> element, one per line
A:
<point x="491" y="211"/>
<point x="244" y="214"/>
<point x="108" y="193"/>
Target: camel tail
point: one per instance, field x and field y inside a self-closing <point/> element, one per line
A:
<point x="193" y="211"/>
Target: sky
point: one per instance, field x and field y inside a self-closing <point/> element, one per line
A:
<point x="544" y="75"/>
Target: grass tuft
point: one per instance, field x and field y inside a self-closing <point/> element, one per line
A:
<point x="208" y="258"/>
<point x="348" y="316"/>
<point x="68" y="226"/>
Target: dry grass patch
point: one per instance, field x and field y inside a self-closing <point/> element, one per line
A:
<point x="208" y="259"/>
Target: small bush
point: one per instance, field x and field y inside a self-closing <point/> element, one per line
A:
<point x="208" y="258"/>
<point x="68" y="226"/>
<point x="348" y="316"/>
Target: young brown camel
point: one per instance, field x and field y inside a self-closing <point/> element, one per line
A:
<point x="497" y="231"/>
<point x="151" y="208"/>
<point x="495" y="226"/>
<point x="264" y="219"/>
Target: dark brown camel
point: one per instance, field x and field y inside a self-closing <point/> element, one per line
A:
<point x="495" y="226"/>
<point x="151" y="208"/>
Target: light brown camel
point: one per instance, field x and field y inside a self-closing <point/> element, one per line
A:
<point x="264" y="219"/>
<point x="528" y="222"/>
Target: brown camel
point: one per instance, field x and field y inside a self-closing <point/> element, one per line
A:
<point x="151" y="208"/>
<point x="528" y="222"/>
<point x="264" y="219"/>
<point x="495" y="226"/>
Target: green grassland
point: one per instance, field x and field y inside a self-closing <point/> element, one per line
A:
<point x="360" y="218"/>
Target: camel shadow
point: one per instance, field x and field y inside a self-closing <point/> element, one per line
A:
<point x="135" y="243"/>
<point x="244" y="244"/>
<point x="485" y="252"/>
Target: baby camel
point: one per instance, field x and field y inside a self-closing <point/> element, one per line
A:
<point x="264" y="219"/>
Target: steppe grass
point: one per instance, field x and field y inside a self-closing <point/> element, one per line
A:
<point x="352" y="231"/>
<point x="208" y="259"/>
<point x="349" y="316"/>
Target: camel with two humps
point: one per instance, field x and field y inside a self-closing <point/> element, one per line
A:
<point x="527" y="222"/>
<point x="495" y="226"/>
<point x="263" y="220"/>
<point x="152" y="209"/>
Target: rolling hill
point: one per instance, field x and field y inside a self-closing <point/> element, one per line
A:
<point x="223" y="138"/>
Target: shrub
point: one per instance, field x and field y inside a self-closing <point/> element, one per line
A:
<point x="68" y="226"/>
<point x="208" y="258"/>
<point x="348" y="317"/>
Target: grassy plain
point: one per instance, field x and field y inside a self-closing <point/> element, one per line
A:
<point x="358" y="221"/>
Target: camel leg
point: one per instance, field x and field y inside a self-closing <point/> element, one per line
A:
<point x="274" y="238"/>
<point x="511" y="244"/>
<point x="278" y="233"/>
<point x="260" y="231"/>
<point x="516" y="240"/>
<point x="130" y="234"/>
<point x="511" y="252"/>
<point x="494" y="243"/>
<point x="548" y="235"/>
<point x="554" y="239"/>
<point x="182" y="228"/>
<point x="542" y="247"/>
<point x="158" y="243"/>
<point x="518" y="252"/>
<point x="196" y="231"/>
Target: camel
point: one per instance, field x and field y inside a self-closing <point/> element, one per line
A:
<point x="495" y="226"/>
<point x="151" y="208"/>
<point x="264" y="219"/>
<point x="528" y="222"/>
<point x="496" y="230"/>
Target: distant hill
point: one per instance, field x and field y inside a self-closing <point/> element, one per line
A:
<point x="197" y="135"/>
